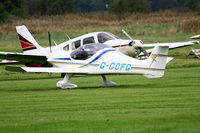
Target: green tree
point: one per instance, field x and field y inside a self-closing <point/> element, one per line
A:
<point x="11" y="7"/>
<point x="137" y="6"/>
<point x="124" y="6"/>
<point x="192" y="4"/>
<point x="61" y="6"/>
<point x="2" y="13"/>
<point x="119" y="7"/>
<point x="92" y="5"/>
<point x="157" y="5"/>
<point x="48" y="7"/>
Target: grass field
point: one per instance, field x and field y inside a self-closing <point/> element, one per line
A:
<point x="31" y="103"/>
<point x="169" y="104"/>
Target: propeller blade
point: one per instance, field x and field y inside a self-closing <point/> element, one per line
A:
<point x="125" y="33"/>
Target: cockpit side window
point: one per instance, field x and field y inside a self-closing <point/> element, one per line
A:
<point x="77" y="44"/>
<point x="66" y="48"/>
<point x="74" y="45"/>
<point x="88" y="40"/>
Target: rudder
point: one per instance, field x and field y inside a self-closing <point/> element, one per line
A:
<point x="26" y="39"/>
<point x="157" y="62"/>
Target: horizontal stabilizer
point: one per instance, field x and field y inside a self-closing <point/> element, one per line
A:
<point x="6" y="62"/>
<point x="169" y="59"/>
<point x="24" y="58"/>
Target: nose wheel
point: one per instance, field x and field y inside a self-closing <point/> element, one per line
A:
<point x="65" y="83"/>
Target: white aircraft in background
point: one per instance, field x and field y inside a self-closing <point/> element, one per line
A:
<point x="30" y="47"/>
<point x="195" y="37"/>
<point x="99" y="59"/>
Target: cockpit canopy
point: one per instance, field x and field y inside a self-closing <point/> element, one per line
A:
<point x="95" y="37"/>
<point x="87" y="50"/>
<point x="103" y="37"/>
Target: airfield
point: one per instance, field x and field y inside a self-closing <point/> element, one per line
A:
<point x="31" y="102"/>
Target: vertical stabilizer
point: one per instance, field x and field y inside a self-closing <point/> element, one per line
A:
<point x="157" y="62"/>
<point x="26" y="39"/>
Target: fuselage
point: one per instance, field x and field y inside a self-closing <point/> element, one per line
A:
<point x="103" y="61"/>
<point x="94" y="37"/>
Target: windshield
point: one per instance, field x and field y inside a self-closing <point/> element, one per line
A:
<point x="87" y="51"/>
<point x="103" y="37"/>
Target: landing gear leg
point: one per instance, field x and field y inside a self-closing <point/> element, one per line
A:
<point x="107" y="83"/>
<point x="65" y="83"/>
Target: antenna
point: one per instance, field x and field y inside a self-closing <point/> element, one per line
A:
<point x="49" y="35"/>
<point x="68" y="37"/>
<point x="70" y="41"/>
<point x="54" y="42"/>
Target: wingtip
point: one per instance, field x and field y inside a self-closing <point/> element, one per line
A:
<point x="195" y="37"/>
<point x="194" y="42"/>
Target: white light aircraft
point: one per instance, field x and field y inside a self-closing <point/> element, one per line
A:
<point x="195" y="37"/>
<point x="99" y="59"/>
<point x="30" y="47"/>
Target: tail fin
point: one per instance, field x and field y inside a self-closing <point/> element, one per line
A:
<point x="157" y="62"/>
<point x="26" y="39"/>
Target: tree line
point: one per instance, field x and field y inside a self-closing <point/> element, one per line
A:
<point x="29" y="8"/>
<point x="124" y="6"/>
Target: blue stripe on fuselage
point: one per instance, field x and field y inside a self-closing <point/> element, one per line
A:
<point x="62" y="58"/>
<point x="99" y="56"/>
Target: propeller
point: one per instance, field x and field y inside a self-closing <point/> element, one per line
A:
<point x="131" y="38"/>
<point x="49" y="35"/>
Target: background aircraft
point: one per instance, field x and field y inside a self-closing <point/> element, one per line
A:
<point x="30" y="47"/>
<point x="195" y="37"/>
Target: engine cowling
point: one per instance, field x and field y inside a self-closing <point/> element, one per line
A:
<point x="130" y="51"/>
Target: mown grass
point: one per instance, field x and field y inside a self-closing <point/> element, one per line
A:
<point x="169" y="104"/>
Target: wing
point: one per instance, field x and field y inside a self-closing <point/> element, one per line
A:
<point x="171" y="45"/>
<point x="45" y="69"/>
<point x="24" y="58"/>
